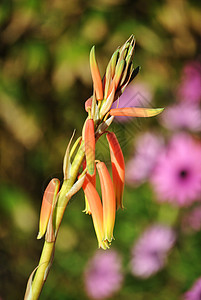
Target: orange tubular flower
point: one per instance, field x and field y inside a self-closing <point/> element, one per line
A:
<point x="118" y="167"/>
<point x="135" y="112"/>
<point x="98" y="87"/>
<point x="109" y="202"/>
<point x="89" y="143"/>
<point x="96" y="211"/>
<point x="49" y="197"/>
<point x="92" y="179"/>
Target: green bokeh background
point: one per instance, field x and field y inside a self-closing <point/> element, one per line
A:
<point x="44" y="82"/>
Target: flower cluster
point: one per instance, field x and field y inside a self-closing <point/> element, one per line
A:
<point x="80" y="165"/>
<point x="84" y="166"/>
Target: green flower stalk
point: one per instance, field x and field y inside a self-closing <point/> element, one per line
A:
<point x="80" y="164"/>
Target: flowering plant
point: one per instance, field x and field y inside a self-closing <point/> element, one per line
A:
<point x="79" y="165"/>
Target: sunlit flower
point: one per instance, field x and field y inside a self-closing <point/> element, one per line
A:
<point x="149" y="253"/>
<point x="195" y="292"/>
<point x="190" y="87"/>
<point x="103" y="275"/>
<point x="118" y="168"/>
<point x="49" y="198"/>
<point x="182" y="116"/>
<point x="108" y="200"/>
<point x="139" y="167"/>
<point x="96" y="209"/>
<point x="177" y="175"/>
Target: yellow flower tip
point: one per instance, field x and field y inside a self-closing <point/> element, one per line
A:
<point x="87" y="210"/>
<point x="89" y="143"/>
<point x="104" y="245"/>
<point x="47" y="203"/>
<point x="98" y="87"/>
<point x="40" y="235"/>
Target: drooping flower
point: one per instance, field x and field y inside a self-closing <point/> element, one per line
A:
<point x="96" y="209"/>
<point x="103" y="275"/>
<point x="182" y="116"/>
<point x="108" y="200"/>
<point x="147" y="148"/>
<point x="149" y="253"/>
<point x="89" y="143"/>
<point x="118" y="167"/>
<point x="92" y="179"/>
<point x="190" y="88"/>
<point x="195" y="292"/>
<point x="177" y="175"/>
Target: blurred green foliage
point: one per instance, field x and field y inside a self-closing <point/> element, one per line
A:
<point x="44" y="81"/>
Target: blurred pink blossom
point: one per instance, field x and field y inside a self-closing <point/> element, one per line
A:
<point x="177" y="175"/>
<point x="195" y="292"/>
<point x="182" y="116"/>
<point x="190" y="88"/>
<point x="103" y="275"/>
<point x="149" y="253"/>
<point x="139" y="167"/>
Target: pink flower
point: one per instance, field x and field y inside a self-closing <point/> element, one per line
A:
<point x="103" y="275"/>
<point x="195" y="292"/>
<point x="139" y="167"/>
<point x="149" y="253"/>
<point x="182" y="116"/>
<point x="190" y="87"/>
<point x="177" y="175"/>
